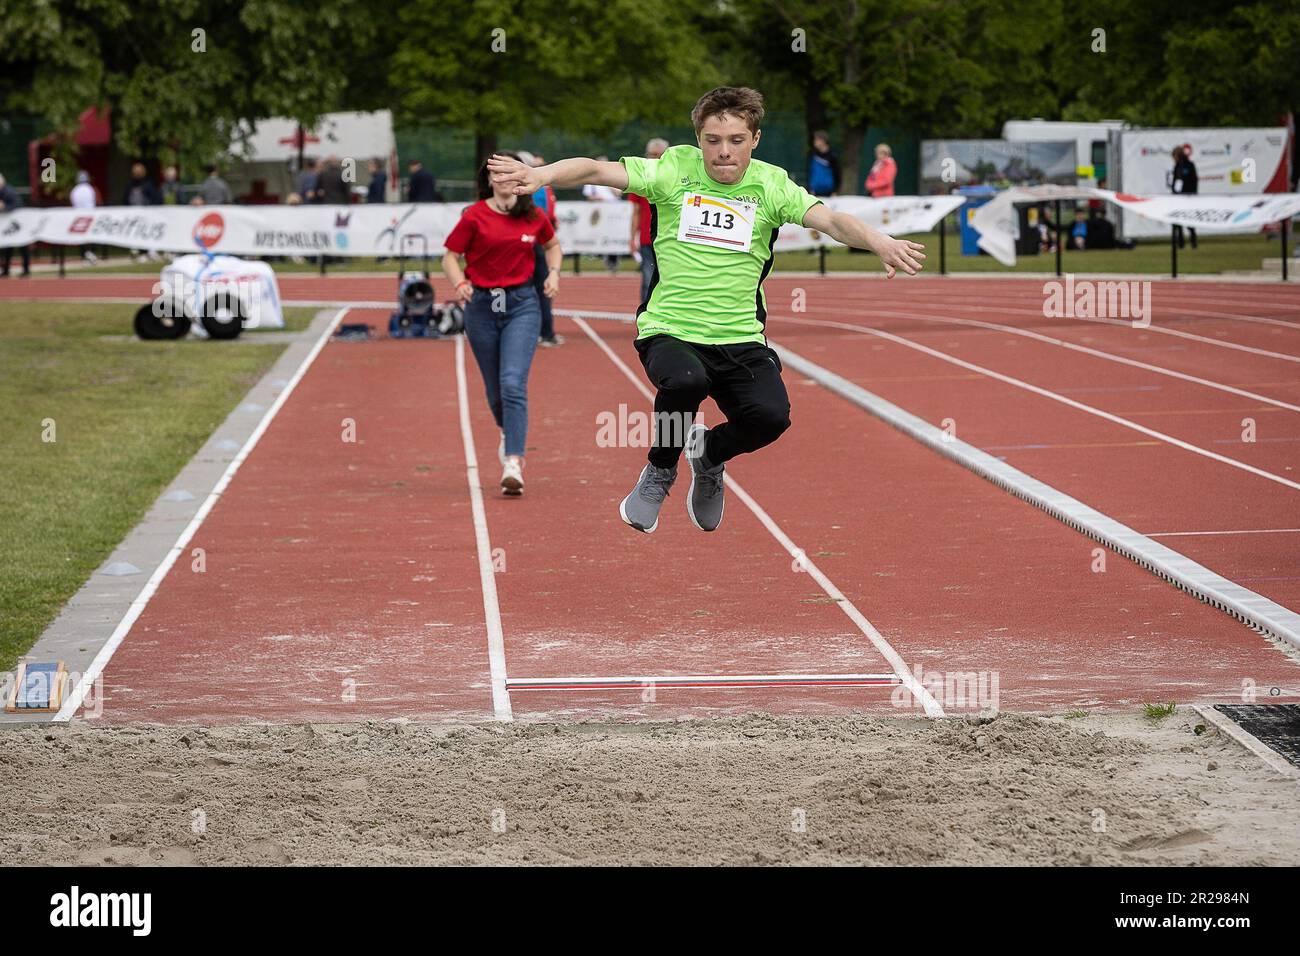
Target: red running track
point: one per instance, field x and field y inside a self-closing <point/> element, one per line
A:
<point x="330" y="562"/>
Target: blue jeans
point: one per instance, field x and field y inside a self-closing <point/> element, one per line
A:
<point x="503" y="343"/>
<point x="540" y="271"/>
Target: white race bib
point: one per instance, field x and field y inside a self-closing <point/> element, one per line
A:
<point x="720" y="223"/>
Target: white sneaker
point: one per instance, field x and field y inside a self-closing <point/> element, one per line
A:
<point x="512" y="477"/>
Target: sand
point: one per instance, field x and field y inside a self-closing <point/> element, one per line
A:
<point x="1010" y="789"/>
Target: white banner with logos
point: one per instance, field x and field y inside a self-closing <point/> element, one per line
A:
<point x="375" y="229"/>
<point x="1229" y="162"/>
<point x="895" y="215"/>
<point x="997" y="224"/>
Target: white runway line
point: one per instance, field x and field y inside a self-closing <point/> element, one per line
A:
<point x="74" y="701"/>
<point x="1057" y="397"/>
<point x="487" y="576"/>
<point x="1179" y="534"/>
<point x="1061" y="343"/>
<point x="932" y="708"/>
<point x="1259" y="612"/>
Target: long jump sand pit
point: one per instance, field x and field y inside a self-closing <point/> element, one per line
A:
<point x="1010" y="789"/>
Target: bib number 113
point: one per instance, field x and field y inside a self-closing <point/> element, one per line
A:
<point x="720" y="223"/>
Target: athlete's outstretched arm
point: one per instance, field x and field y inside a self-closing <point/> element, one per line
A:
<point x="565" y="174"/>
<point x="840" y="226"/>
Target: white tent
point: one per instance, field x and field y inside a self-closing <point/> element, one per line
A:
<point x="271" y="146"/>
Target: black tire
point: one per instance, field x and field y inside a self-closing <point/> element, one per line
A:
<point x="223" y="315"/>
<point x="153" y="328"/>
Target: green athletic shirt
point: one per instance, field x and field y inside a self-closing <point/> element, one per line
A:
<point x="707" y="294"/>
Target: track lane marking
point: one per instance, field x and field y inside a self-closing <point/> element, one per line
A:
<point x="78" y="695"/>
<point x="1056" y="397"/>
<point x="1075" y="347"/>
<point x="487" y="576"/>
<point x="932" y="707"/>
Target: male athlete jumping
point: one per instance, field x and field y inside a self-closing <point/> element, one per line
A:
<point x="715" y="212"/>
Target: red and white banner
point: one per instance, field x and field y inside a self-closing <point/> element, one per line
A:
<point x="375" y="229"/>
<point x="998" y="226"/>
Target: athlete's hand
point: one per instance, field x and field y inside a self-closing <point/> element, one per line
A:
<point x="511" y="172"/>
<point x="464" y="292"/>
<point x="551" y="285"/>
<point x="900" y="254"/>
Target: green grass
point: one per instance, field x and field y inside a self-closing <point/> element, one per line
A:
<point x="1075" y="714"/>
<point x="1151" y="257"/>
<point x="127" y="415"/>
<point x="1158" y="711"/>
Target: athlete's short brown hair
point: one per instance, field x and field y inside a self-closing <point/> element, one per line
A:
<point x="737" y="100"/>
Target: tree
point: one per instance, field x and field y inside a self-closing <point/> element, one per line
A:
<point x="955" y="67"/>
<point x="500" y="66"/>
<point x="182" y="73"/>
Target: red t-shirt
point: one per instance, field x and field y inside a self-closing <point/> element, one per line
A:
<point x="644" y="222"/>
<point x="498" y="249"/>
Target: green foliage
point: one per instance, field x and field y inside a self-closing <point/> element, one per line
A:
<point x="182" y="73"/>
<point x="580" y="65"/>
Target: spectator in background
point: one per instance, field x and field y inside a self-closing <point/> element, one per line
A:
<point x="423" y="187"/>
<point x="214" y="191"/>
<point x="305" y="184"/>
<point x="823" y="166"/>
<point x="880" y="181"/>
<point x="378" y="189"/>
<point x="9" y="201"/>
<point x="642" y="221"/>
<point x="543" y="202"/>
<point x="330" y="187"/>
<point x="141" y="191"/>
<point x="1079" y="232"/>
<point x="1183" y="182"/>
<point x="83" y="196"/>
<point x="171" y="187"/>
<point x="594" y="192"/>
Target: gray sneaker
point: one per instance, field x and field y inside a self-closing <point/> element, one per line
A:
<point x="707" y="497"/>
<point x="640" y="509"/>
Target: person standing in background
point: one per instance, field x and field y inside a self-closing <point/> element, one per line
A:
<point x="544" y="202"/>
<point x="305" y="184"/>
<point x="423" y="187"/>
<point x="378" y="189"/>
<point x="171" y="187"/>
<point x="330" y="187"/>
<point x="83" y="196"/>
<point x="823" y="166"/>
<point x="1183" y="182"/>
<point x="880" y="181"/>
<point x="643" y="236"/>
<point x="214" y="191"/>
<point x="141" y="191"/>
<point x="9" y="201"/>
<point x="594" y="192"/>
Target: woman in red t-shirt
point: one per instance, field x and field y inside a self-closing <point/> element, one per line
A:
<point x="497" y="236"/>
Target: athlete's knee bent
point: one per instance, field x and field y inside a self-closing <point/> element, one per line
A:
<point x="768" y="422"/>
<point x="686" y="384"/>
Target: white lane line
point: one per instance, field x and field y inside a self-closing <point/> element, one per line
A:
<point x="74" y="700"/>
<point x="1264" y="319"/>
<point x="1125" y="323"/>
<point x="1062" y="343"/>
<point x="677" y="681"/>
<point x="919" y="692"/>
<point x="1056" y="397"/>
<point x="1184" y="534"/>
<point x="1254" y="609"/>
<point x="487" y="576"/>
